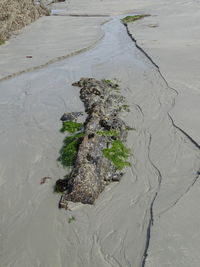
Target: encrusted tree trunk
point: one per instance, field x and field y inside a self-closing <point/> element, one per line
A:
<point x="92" y="169"/>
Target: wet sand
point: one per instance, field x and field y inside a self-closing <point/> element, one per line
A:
<point x="140" y="225"/>
<point x="170" y="39"/>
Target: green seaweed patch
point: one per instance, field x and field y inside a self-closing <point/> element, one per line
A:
<point x="109" y="133"/>
<point x="69" y="150"/>
<point x="71" y="127"/>
<point x="2" y="42"/>
<point x="109" y="82"/>
<point x="118" y="154"/>
<point x="129" y="19"/>
<point x="125" y="108"/>
<point x="112" y="84"/>
<point x="71" y="219"/>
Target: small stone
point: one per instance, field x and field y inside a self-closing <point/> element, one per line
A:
<point x="72" y="116"/>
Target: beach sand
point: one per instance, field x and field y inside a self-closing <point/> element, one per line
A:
<point x="148" y="219"/>
<point x="170" y="38"/>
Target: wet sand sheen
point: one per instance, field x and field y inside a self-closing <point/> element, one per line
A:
<point x="34" y="232"/>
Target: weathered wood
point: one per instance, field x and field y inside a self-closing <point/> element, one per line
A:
<point x="92" y="171"/>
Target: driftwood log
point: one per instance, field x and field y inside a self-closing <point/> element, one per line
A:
<point x="92" y="171"/>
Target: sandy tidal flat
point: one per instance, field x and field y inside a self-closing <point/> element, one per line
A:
<point x="148" y="219"/>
